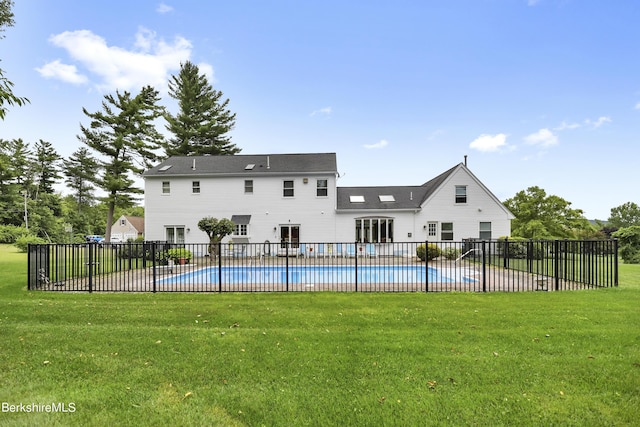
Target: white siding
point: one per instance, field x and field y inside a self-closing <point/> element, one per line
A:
<point x="225" y="197"/>
<point x="481" y="206"/>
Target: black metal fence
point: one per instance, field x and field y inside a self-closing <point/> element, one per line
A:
<point x="470" y="265"/>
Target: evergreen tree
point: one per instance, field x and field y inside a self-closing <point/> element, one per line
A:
<point x="204" y="120"/>
<point x="125" y="136"/>
<point x="46" y="165"/>
<point x="79" y="170"/>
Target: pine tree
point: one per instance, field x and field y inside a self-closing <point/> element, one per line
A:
<point x="46" y="167"/>
<point x="80" y="169"/>
<point x="123" y="133"/>
<point x="204" y="120"/>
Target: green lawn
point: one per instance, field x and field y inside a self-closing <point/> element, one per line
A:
<point x="535" y="358"/>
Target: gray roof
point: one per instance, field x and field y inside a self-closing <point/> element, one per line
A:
<point x="240" y="164"/>
<point x="405" y="197"/>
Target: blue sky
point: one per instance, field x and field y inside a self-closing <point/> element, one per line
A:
<point x="535" y="92"/>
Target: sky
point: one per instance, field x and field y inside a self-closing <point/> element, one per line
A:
<point x="534" y="92"/>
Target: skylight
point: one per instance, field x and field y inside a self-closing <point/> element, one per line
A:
<point x="356" y="199"/>
<point x="387" y="198"/>
<point x="165" y="168"/>
<point x="250" y="166"/>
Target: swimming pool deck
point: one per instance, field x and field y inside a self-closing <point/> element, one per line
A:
<point x="495" y="279"/>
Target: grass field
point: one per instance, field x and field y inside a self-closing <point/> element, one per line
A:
<point x="556" y="358"/>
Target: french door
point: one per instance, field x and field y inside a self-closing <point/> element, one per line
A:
<point x="290" y="234"/>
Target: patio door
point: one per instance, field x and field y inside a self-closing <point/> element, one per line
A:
<point x="290" y="234"/>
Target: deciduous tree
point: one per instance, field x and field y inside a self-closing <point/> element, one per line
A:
<point x="7" y="98"/>
<point x="542" y="216"/>
<point x="216" y="230"/>
<point x="625" y="215"/>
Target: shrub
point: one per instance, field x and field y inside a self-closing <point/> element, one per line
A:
<point x="431" y="251"/>
<point x="451" y="253"/>
<point x="178" y="253"/>
<point x="22" y="243"/>
<point x="11" y="233"/>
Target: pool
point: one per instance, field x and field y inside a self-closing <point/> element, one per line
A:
<point x="311" y="275"/>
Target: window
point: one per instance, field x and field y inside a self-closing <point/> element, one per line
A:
<point x="386" y="198"/>
<point x="241" y="230"/>
<point x="195" y="187"/>
<point x="321" y="188"/>
<point x="174" y="234"/>
<point x="287" y="189"/>
<point x="432" y="229"/>
<point x="248" y="186"/>
<point x="356" y="199"/>
<point x="290" y="234"/>
<point x="166" y="187"/>
<point x="485" y="231"/>
<point x="446" y="231"/>
<point x="123" y="222"/>
<point x="374" y="230"/>
<point x="461" y="194"/>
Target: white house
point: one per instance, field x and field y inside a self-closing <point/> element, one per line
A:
<point x="126" y="228"/>
<point x="294" y="197"/>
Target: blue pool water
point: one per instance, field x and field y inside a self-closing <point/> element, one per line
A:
<point x="314" y="275"/>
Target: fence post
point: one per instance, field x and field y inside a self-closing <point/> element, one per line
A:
<point x="615" y="262"/>
<point x="286" y="268"/>
<point x="556" y="261"/>
<point x="505" y="253"/>
<point x="219" y="267"/>
<point x="426" y="267"/>
<point x="153" y="265"/>
<point x="90" y="265"/>
<point x="355" y="251"/>
<point x="484" y="266"/>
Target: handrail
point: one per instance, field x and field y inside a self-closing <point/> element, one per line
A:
<point x="466" y="253"/>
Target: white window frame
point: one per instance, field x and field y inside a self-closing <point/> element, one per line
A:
<point x="446" y="234"/>
<point x="166" y="187"/>
<point x="195" y="187"/>
<point x="286" y="189"/>
<point x="374" y="229"/>
<point x="175" y="233"/>
<point x="322" y="188"/>
<point x="432" y="229"/>
<point x="461" y="196"/>
<point x="248" y="186"/>
<point x="482" y="234"/>
<point x="241" y="230"/>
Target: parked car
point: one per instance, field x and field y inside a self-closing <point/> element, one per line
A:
<point x="94" y="239"/>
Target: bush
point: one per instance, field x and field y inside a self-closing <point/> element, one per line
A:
<point x="451" y="253"/>
<point x="22" y="243"/>
<point x="432" y="251"/>
<point x="178" y="253"/>
<point x="11" y="233"/>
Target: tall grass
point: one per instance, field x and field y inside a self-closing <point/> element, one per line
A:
<point x="559" y="358"/>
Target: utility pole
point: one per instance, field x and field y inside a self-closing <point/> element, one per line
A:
<point x="26" y="215"/>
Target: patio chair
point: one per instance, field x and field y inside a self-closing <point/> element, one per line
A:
<point x="371" y="250"/>
<point x="350" y="250"/>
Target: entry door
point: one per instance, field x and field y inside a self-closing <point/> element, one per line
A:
<point x="290" y="234"/>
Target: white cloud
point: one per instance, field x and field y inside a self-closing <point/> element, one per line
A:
<point x="326" y="111"/>
<point x="383" y="143"/>
<point x="638" y="106"/>
<point x="149" y="62"/>
<point x="164" y="8"/>
<point x="532" y="2"/>
<point x="567" y="126"/>
<point x="489" y="142"/>
<point x="597" y="123"/>
<point x="66" y="73"/>
<point x="543" y="137"/>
